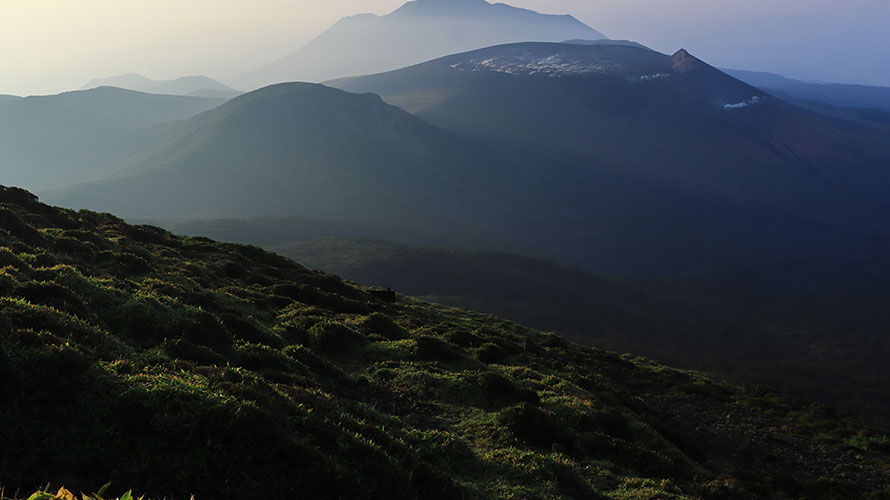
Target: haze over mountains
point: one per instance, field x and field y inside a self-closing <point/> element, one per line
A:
<point x="197" y="86"/>
<point x="418" y="31"/>
<point x="635" y="162"/>
<point x="835" y="94"/>
<point x="52" y="141"/>
<point x="313" y="151"/>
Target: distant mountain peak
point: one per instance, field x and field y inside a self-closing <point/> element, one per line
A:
<point x="440" y="6"/>
<point x="416" y="32"/>
<point x="684" y="61"/>
<point x="186" y="85"/>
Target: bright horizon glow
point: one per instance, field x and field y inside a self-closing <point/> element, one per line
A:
<point x="49" y="46"/>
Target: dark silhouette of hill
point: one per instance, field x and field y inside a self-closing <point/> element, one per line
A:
<point x="839" y="358"/>
<point x="418" y="31"/>
<point x="52" y="141"/>
<point x="874" y="117"/>
<point x="530" y="291"/>
<point x="313" y="151"/>
<point x="268" y="231"/>
<point x="655" y="164"/>
<point x="196" y="86"/>
<point x="834" y="94"/>
<point x="178" y="366"/>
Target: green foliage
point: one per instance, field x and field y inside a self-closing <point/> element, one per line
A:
<point x="228" y="372"/>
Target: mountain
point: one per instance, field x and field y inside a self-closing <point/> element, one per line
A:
<point x="530" y="291"/>
<point x="418" y="31"/>
<point x="197" y="86"/>
<point x="6" y="99"/>
<point x="782" y="346"/>
<point x="651" y="163"/>
<point x="52" y="141"/>
<point x="313" y="151"/>
<point x="833" y="94"/>
<point x="178" y="366"/>
<point x="606" y="41"/>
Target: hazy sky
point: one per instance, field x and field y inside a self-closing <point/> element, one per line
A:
<point x="53" y="45"/>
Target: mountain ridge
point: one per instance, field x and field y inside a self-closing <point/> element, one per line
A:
<point x="184" y="86"/>
<point x="633" y="119"/>
<point x="287" y="142"/>
<point x="834" y="94"/>
<point x="51" y="141"/>
<point x="391" y="41"/>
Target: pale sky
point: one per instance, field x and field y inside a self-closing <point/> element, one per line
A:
<point x="48" y="46"/>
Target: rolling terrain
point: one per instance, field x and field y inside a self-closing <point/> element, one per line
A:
<point x="175" y="366"/>
<point x="196" y="86"/>
<point x="418" y="31"/>
<point x="655" y="164"/>
<point x="613" y="158"/>
<point x="52" y="141"/>
<point x="827" y="349"/>
<point x="833" y="94"/>
<point x="307" y="150"/>
<point x="312" y="151"/>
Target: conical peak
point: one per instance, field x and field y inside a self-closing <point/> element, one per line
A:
<point x="684" y="61"/>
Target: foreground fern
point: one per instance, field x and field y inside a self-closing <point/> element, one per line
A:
<point x="180" y="365"/>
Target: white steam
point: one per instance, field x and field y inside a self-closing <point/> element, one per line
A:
<point x="744" y="104"/>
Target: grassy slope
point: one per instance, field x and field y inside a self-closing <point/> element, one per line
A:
<point x="824" y="350"/>
<point x="176" y="365"/>
<point x="530" y="291"/>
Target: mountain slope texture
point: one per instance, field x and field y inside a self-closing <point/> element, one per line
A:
<point x="176" y="365"/>
<point x="313" y="151"/>
<point x="52" y="141"/>
<point x="834" y="94"/>
<point x="834" y="354"/>
<point x="418" y="31"/>
<point x="655" y="163"/>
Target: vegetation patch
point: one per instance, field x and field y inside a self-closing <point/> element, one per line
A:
<point x="177" y="366"/>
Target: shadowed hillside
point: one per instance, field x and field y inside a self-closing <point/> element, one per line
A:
<point x="175" y="365"/>
<point x="312" y="151"/>
<point x="833" y="94"/>
<point x="653" y="163"/>
<point x="824" y="348"/>
<point x="52" y="141"/>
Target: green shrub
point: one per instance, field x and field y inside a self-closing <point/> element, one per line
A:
<point x="463" y="338"/>
<point x="314" y="362"/>
<point x="261" y="358"/>
<point x="531" y="424"/>
<point x="500" y="391"/>
<point x="183" y="349"/>
<point x="381" y="324"/>
<point x="250" y="331"/>
<point x="50" y="294"/>
<point x="206" y="330"/>
<point x="492" y="354"/>
<point x="330" y="336"/>
<point x="433" y="349"/>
